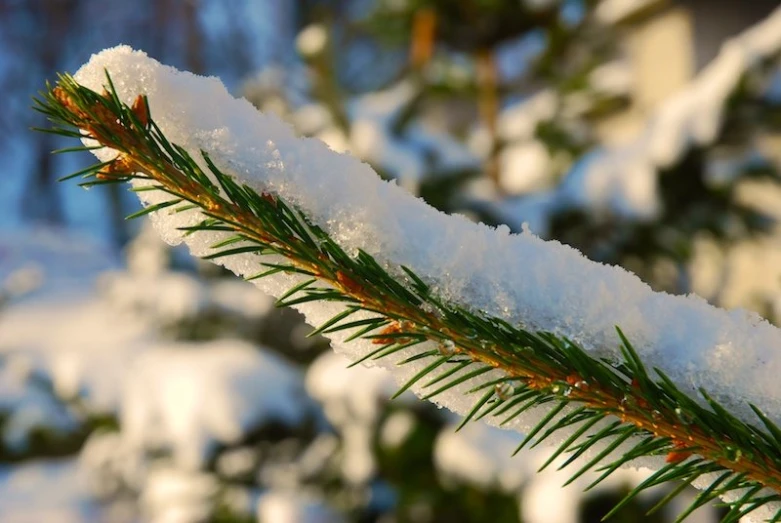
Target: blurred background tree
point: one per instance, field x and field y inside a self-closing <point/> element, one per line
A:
<point x="621" y="127"/>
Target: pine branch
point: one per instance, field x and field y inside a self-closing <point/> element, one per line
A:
<point x="605" y="413"/>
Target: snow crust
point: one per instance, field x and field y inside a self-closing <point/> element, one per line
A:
<point x="521" y="278"/>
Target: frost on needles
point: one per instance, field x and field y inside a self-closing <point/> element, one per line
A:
<point x="509" y="328"/>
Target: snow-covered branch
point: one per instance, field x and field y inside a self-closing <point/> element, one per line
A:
<point x="518" y="280"/>
<point x="623" y="179"/>
<point x="542" y="285"/>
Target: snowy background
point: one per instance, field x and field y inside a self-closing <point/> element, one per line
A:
<point x="138" y="385"/>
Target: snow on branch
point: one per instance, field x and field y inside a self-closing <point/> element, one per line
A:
<point x="539" y="295"/>
<point x="623" y="179"/>
<point x="542" y="285"/>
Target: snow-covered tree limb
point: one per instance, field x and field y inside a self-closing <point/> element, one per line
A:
<point x="623" y="179"/>
<point x="508" y="328"/>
